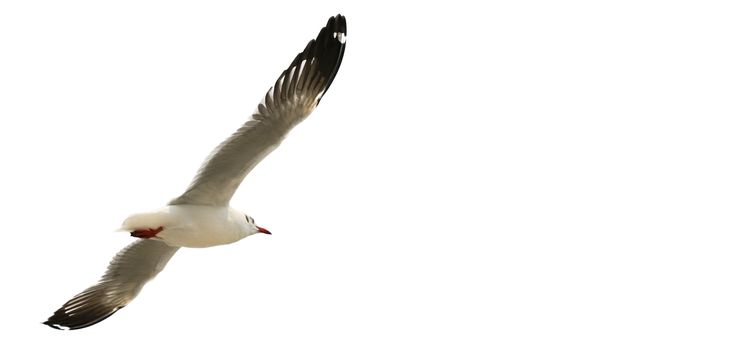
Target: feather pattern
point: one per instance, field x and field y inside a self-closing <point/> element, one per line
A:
<point x="128" y="272"/>
<point x="295" y="94"/>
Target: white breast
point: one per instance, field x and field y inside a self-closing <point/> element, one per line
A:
<point x="195" y="226"/>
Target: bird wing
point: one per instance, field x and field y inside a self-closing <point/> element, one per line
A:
<point x="294" y="96"/>
<point x="128" y="272"/>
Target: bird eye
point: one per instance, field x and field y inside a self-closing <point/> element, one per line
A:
<point x="247" y="218"/>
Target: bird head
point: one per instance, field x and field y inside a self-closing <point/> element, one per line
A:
<point x="253" y="228"/>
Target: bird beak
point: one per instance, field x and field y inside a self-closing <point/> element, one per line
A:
<point x="264" y="230"/>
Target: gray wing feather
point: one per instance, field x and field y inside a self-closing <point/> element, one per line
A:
<point x="295" y="94"/>
<point x="128" y="272"/>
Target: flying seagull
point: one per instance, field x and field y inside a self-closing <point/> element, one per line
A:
<point x="202" y="216"/>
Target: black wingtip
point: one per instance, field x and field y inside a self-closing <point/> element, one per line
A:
<point x="327" y="49"/>
<point x="50" y="324"/>
<point x="65" y="321"/>
<point x="332" y="40"/>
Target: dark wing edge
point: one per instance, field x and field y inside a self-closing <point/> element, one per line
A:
<point x="127" y="273"/>
<point x="313" y="70"/>
<point x="330" y="63"/>
<point x="300" y="87"/>
<point x="295" y="94"/>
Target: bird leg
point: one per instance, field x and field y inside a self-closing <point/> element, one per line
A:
<point x="146" y="233"/>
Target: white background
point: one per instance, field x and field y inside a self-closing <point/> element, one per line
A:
<point x="538" y="175"/>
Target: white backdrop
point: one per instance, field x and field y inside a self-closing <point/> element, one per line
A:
<point x="538" y="175"/>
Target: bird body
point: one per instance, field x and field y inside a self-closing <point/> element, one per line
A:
<point x="202" y="216"/>
<point x="192" y="226"/>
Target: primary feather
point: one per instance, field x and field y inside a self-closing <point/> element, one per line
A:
<point x="128" y="272"/>
<point x="293" y="97"/>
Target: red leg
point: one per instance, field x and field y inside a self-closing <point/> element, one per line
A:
<point x="146" y="233"/>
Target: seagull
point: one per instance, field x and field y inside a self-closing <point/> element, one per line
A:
<point x="202" y="216"/>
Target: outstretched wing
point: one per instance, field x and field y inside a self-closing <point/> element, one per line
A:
<point x="293" y="97"/>
<point x="128" y="272"/>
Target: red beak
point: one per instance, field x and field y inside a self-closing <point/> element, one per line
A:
<point x="264" y="230"/>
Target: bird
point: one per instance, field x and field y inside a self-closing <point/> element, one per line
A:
<point x="202" y="216"/>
